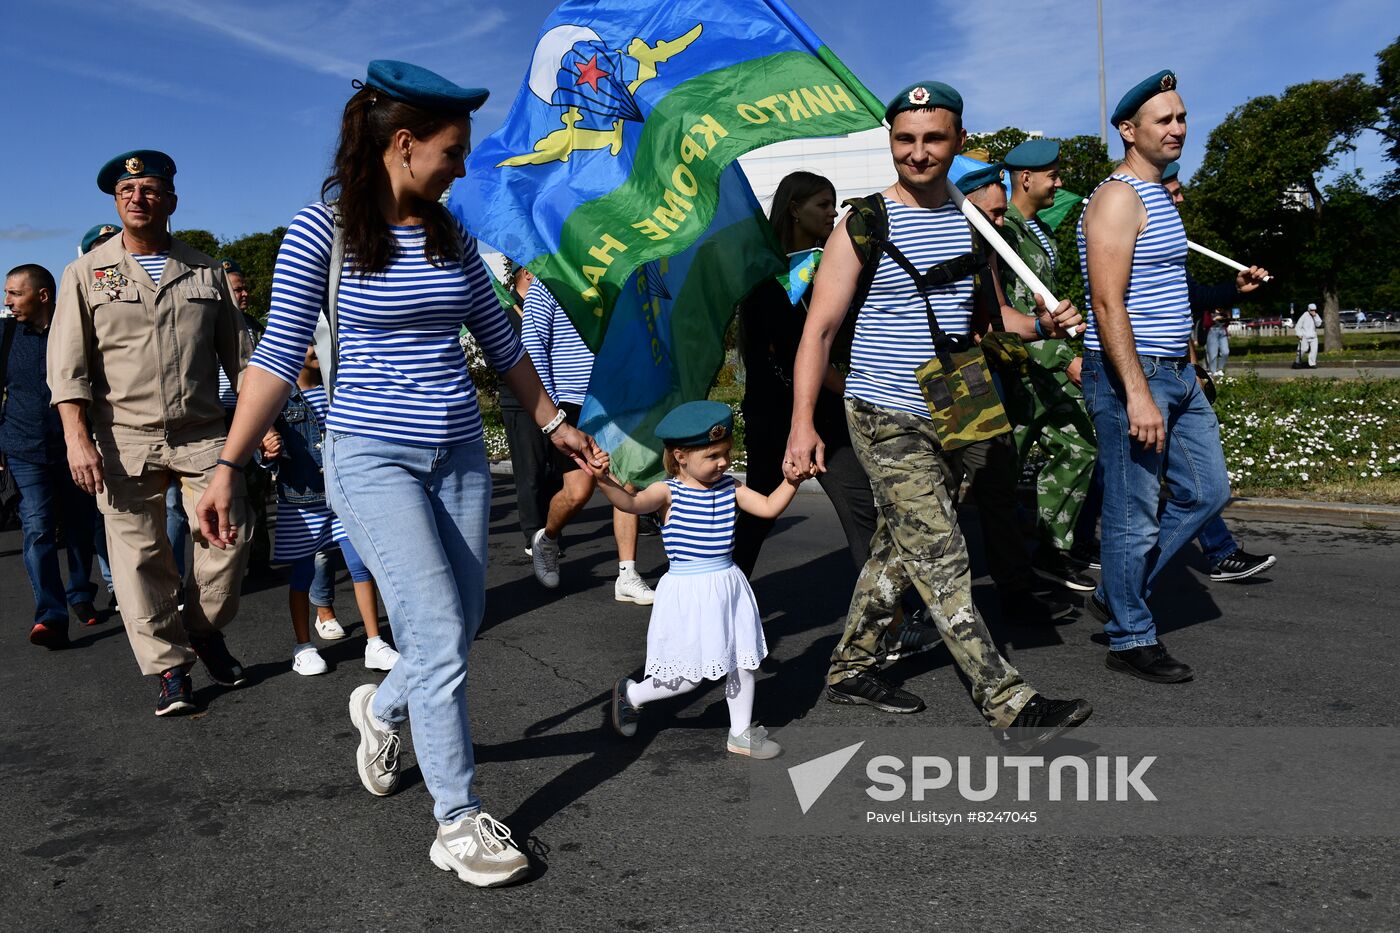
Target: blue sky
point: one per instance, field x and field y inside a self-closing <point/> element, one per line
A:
<point x="246" y="95"/>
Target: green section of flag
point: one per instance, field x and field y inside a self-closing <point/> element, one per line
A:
<point x="1055" y="214"/>
<point x="669" y="197"/>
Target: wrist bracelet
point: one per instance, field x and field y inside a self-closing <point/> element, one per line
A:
<point x="228" y="463"/>
<point x="1039" y="329"/>
<point x="554" y="423"/>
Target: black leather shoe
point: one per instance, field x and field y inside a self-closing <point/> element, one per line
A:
<point x="1022" y="607"/>
<point x="1097" y="608"/>
<point x="1150" y="662"/>
<point x="1042" y="718"/>
<point x="872" y="691"/>
<point x="222" y="666"/>
<point x="1056" y="565"/>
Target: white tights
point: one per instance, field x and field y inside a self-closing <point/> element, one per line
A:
<point x="738" y="693"/>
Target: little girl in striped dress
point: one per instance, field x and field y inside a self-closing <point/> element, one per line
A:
<point x="704" y="623"/>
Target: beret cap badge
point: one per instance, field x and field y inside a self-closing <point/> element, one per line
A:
<point x="919" y="96"/>
<point x="135" y="166"/>
<point x="1168" y="82"/>
<point x="717" y="432"/>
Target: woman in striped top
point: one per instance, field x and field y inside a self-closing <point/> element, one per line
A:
<point x="704" y="623"/>
<point x="406" y="465"/>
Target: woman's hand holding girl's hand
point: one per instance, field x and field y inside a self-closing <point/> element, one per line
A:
<point x="579" y="446"/>
<point x="271" y="446"/>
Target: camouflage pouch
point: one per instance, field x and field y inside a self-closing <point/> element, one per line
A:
<point x="1007" y="352"/>
<point x="962" y="398"/>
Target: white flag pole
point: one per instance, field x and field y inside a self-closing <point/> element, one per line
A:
<point x="1224" y="260"/>
<point x="989" y="233"/>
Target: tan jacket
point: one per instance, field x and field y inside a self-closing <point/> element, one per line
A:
<point x="146" y="359"/>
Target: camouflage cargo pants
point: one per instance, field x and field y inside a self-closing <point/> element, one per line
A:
<point x="1047" y="411"/>
<point x="917" y="541"/>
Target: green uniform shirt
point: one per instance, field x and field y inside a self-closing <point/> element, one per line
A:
<point x="1051" y="354"/>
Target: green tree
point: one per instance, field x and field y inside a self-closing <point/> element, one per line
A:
<point x="202" y="240"/>
<point x="1388" y="90"/>
<point x="1259" y="186"/>
<point x="997" y="144"/>
<point x="256" y="254"/>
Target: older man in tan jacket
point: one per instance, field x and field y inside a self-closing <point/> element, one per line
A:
<point x="143" y="325"/>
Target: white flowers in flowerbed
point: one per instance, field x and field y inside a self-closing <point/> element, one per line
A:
<point x="1286" y="435"/>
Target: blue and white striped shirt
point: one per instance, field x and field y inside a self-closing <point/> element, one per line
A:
<point x="700" y="524"/>
<point x="562" y="359"/>
<point x="1039" y="232"/>
<point x="1159" y="308"/>
<point x="401" y="376"/>
<point x="892" y="338"/>
<point x="154" y="264"/>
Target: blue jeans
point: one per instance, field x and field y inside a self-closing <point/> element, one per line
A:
<point x="1137" y="543"/>
<point x="48" y="498"/>
<point x="1216" y="541"/>
<point x="418" y="518"/>
<point x="1217" y="350"/>
<point x="313" y="573"/>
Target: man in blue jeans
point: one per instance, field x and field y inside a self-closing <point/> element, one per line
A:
<point x="31" y="437"/>
<point x="1150" y="415"/>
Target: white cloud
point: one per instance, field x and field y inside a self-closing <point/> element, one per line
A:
<point x="23" y="233"/>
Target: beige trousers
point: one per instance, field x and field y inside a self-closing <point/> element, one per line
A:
<point x="138" y="470"/>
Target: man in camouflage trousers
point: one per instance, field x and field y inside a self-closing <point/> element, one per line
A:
<point x="1046" y="407"/>
<point x="917" y="540"/>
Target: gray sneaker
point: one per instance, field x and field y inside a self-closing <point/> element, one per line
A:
<point x="480" y="850"/>
<point x="753" y="742"/>
<point x="544" y="554"/>
<point x="377" y="758"/>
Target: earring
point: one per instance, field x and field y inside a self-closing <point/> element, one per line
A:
<point x="405" y="163"/>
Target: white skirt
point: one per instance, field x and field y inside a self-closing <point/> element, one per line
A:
<point x="704" y="625"/>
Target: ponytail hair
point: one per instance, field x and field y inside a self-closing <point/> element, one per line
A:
<point x="357" y="176"/>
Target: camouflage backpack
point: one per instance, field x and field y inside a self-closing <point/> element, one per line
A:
<point x="957" y="382"/>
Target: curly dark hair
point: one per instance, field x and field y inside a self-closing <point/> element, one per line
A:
<point x="368" y="125"/>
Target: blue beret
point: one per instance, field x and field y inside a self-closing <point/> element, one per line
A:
<point x="979" y="178"/>
<point x="420" y="87"/>
<point x="696" y="424"/>
<point x="138" y="163"/>
<point x="231" y="267"/>
<point x="922" y="96"/>
<point x="1164" y="80"/>
<point x="1033" y="154"/>
<point x="96" y="233"/>
<point x="1170" y="172"/>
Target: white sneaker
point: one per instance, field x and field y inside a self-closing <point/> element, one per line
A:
<point x="380" y="657"/>
<point x="544" y="554"/>
<point x="480" y="850"/>
<point x="631" y="588"/>
<point x="329" y="629"/>
<point x="308" y="662"/>
<point x="377" y="757"/>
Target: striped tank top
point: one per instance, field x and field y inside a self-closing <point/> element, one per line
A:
<point x="154" y="264"/>
<point x="402" y="376"/>
<point x="700" y="525"/>
<point x="1158" y="307"/>
<point x="562" y="359"/>
<point x="892" y="338"/>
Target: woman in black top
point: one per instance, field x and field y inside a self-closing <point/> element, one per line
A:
<point x="770" y="327"/>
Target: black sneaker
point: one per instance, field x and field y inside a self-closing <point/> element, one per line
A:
<point x="915" y="636"/>
<point x="1022" y="607"/>
<point x="1042" y="718"/>
<point x="1097" y="608"/>
<point x="85" y="613"/>
<point x="1240" y="565"/>
<point x="621" y="713"/>
<point x="872" y="691"/>
<point x="1056" y="566"/>
<point x="1086" y="555"/>
<point x="176" y="695"/>
<point x="649" y="525"/>
<point x="1150" y="662"/>
<point x="223" y="667"/>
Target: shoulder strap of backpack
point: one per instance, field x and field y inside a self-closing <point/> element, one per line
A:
<point x="327" y="335"/>
<point x="868" y="226"/>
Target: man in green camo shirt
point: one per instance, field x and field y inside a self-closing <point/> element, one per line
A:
<point x="1046" y="407"/>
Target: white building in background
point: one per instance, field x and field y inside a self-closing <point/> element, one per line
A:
<point x="856" y="164"/>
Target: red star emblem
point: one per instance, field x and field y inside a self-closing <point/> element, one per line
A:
<point x="590" y="74"/>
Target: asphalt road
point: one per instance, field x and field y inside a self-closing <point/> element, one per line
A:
<point x="249" y="815"/>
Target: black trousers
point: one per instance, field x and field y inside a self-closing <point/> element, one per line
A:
<point x="844" y="483"/>
<point x="532" y="465"/>
<point x="992" y="470"/>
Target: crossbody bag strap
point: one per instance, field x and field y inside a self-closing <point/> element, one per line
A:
<point x="327" y="335"/>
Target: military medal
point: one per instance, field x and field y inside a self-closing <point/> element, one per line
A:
<point x="109" y="282"/>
